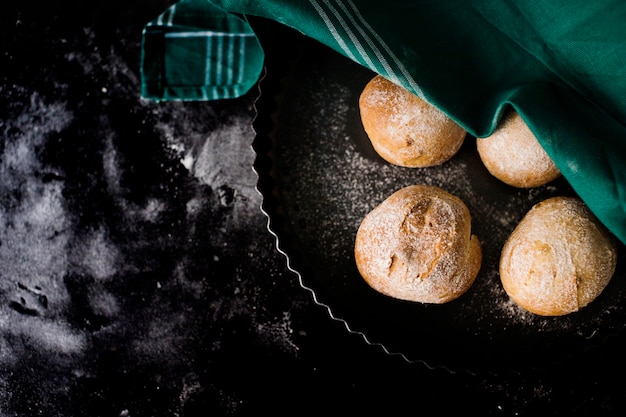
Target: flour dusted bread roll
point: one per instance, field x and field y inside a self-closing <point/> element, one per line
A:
<point x="417" y="245"/>
<point x="558" y="259"/>
<point x="404" y="129"/>
<point x="514" y="155"/>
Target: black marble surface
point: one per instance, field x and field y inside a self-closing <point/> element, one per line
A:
<point x="137" y="277"/>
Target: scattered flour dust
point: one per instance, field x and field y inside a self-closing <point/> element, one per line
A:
<point x="221" y="159"/>
<point x="35" y="231"/>
<point x="331" y="183"/>
<point x="278" y="333"/>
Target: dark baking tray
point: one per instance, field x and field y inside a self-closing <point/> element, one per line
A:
<point x="319" y="176"/>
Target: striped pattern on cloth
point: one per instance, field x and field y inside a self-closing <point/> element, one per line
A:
<point x="218" y="56"/>
<point x="199" y="54"/>
<point x="358" y="41"/>
<point x="559" y="63"/>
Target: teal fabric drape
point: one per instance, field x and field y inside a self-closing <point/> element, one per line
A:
<point x="560" y="63"/>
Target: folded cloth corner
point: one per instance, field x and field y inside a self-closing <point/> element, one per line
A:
<point x="197" y="51"/>
<point x="560" y="63"/>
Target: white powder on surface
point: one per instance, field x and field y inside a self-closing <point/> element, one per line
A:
<point x="96" y="256"/>
<point x="34" y="235"/>
<point x="331" y="178"/>
<point x="223" y="161"/>
<point x="278" y="332"/>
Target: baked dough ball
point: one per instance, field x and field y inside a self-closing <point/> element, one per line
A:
<point x="417" y="245"/>
<point x="558" y="259"/>
<point x="404" y="129"/>
<point x="514" y="155"/>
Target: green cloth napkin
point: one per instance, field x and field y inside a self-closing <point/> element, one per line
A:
<point x="560" y="63"/>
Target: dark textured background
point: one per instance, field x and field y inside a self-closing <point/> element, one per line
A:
<point x="137" y="277"/>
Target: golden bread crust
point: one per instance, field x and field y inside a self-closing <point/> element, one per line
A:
<point x="417" y="245"/>
<point x="558" y="259"/>
<point x="404" y="129"/>
<point x="514" y="155"/>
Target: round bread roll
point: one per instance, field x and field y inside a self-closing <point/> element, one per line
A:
<point x="404" y="129"/>
<point x="514" y="155"/>
<point x="558" y="259"/>
<point x="417" y="245"/>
